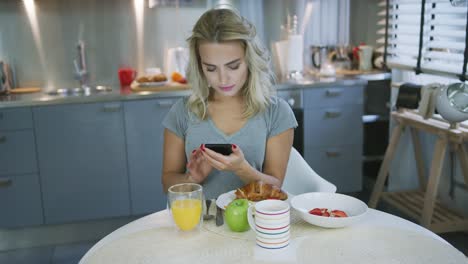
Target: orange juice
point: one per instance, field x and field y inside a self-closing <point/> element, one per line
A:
<point x="186" y="213"/>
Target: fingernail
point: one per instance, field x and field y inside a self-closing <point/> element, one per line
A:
<point x="193" y="151"/>
<point x="234" y="146"/>
<point x="202" y="147"/>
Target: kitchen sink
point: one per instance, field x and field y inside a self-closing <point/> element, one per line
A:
<point x="80" y="91"/>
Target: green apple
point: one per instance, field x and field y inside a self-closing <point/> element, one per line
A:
<point x="236" y="215"/>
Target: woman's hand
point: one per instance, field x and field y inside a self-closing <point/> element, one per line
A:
<point x="198" y="167"/>
<point x="233" y="162"/>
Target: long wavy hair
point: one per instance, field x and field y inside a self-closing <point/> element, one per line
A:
<point x="218" y="25"/>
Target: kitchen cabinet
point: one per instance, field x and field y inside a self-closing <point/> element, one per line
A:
<point x="333" y="134"/>
<point x="20" y="201"/>
<point x="82" y="161"/>
<point x="20" y="193"/>
<point x="144" y="134"/>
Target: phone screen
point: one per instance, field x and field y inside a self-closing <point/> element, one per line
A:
<point x="224" y="149"/>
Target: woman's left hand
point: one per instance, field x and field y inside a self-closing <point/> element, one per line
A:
<point x="221" y="162"/>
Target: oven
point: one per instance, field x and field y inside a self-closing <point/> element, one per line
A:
<point x="294" y="98"/>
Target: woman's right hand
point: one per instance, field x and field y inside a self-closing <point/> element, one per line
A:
<point x="198" y="167"/>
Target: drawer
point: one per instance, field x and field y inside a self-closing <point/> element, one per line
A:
<point x="15" y="118"/>
<point x="17" y="152"/>
<point x="20" y="201"/>
<point x="333" y="126"/>
<point x="340" y="165"/>
<point x="322" y="97"/>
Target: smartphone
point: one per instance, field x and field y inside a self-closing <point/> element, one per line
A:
<point x="224" y="149"/>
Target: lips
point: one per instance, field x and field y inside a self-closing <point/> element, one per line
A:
<point x="227" y="88"/>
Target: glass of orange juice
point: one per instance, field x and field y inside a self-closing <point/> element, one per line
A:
<point x="185" y="202"/>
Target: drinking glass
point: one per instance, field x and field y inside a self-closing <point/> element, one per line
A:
<point x="185" y="203"/>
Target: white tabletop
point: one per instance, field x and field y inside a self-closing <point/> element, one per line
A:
<point x="154" y="238"/>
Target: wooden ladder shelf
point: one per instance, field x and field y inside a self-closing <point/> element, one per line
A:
<point x="433" y="215"/>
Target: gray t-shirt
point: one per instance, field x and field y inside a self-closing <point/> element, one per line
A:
<point x="251" y="138"/>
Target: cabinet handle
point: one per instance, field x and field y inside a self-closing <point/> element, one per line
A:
<point x="111" y="108"/>
<point x="332" y="114"/>
<point x="333" y="92"/>
<point x="332" y="153"/>
<point x="164" y="103"/>
<point x="2" y="139"/>
<point x="5" y="182"/>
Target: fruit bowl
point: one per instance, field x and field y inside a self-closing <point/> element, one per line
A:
<point x="354" y="208"/>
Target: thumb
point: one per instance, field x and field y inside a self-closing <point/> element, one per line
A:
<point x="235" y="149"/>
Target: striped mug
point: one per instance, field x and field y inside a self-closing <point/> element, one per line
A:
<point x="270" y="219"/>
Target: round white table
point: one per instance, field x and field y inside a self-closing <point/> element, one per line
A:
<point x="378" y="238"/>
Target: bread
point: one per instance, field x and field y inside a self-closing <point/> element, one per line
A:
<point x="159" y="78"/>
<point x="258" y="191"/>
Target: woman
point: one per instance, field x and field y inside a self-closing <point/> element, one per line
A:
<point x="231" y="102"/>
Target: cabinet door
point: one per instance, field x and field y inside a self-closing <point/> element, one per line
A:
<point x="339" y="125"/>
<point x="144" y="131"/>
<point x="20" y="201"/>
<point x="17" y="152"/>
<point x="82" y="161"/>
<point x="340" y="165"/>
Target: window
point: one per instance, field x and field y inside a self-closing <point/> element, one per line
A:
<point x="443" y="37"/>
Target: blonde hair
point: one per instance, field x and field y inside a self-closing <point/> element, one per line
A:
<point x="218" y="25"/>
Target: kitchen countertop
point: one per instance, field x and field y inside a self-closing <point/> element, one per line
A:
<point x="117" y="94"/>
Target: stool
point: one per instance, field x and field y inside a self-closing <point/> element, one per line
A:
<point x="433" y="215"/>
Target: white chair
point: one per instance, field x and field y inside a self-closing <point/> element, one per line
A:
<point x="301" y="178"/>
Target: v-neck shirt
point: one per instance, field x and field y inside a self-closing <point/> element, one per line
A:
<point x="251" y="138"/>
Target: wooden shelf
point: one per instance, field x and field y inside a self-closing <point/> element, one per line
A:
<point x="443" y="218"/>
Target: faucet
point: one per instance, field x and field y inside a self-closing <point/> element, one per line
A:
<point x="81" y="72"/>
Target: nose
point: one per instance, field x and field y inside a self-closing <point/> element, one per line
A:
<point x="223" y="77"/>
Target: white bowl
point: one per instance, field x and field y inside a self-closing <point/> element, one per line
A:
<point x="354" y="208"/>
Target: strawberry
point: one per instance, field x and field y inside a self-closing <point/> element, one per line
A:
<point x="316" y="211"/>
<point x="339" y="213"/>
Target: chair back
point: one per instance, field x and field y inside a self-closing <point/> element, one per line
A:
<point x="301" y="178"/>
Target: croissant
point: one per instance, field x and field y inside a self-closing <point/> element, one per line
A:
<point x="257" y="191"/>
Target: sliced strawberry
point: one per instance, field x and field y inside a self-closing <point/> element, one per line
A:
<point x="339" y="213"/>
<point x="316" y="211"/>
<point x="326" y="214"/>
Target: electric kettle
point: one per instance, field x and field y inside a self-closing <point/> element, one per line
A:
<point x="452" y="103"/>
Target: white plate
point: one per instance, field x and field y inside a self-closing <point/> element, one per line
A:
<point x="226" y="198"/>
<point x="305" y="202"/>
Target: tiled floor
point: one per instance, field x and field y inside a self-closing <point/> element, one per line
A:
<point x="66" y="244"/>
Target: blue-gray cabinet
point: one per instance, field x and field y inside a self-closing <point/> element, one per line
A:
<point x="82" y="161"/>
<point x="20" y="201"/>
<point x="20" y="193"/>
<point x="333" y="134"/>
<point x="144" y="134"/>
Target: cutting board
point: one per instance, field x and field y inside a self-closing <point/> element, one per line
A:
<point x="23" y="90"/>
<point x="161" y="88"/>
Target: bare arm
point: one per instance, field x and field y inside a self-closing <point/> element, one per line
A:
<point x="277" y="153"/>
<point x="175" y="163"/>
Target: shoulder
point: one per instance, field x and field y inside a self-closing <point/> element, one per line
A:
<point x="277" y="104"/>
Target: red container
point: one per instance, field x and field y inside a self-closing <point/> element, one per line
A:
<point x="126" y="76"/>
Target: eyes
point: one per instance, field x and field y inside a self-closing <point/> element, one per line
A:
<point x="232" y="67"/>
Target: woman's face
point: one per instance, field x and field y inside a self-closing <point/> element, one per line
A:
<point x="224" y="66"/>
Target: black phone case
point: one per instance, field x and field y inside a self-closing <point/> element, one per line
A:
<point x="224" y="149"/>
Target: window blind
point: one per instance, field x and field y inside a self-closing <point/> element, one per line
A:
<point x="443" y="34"/>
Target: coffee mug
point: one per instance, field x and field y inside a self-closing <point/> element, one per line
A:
<point x="126" y="76"/>
<point x="271" y="223"/>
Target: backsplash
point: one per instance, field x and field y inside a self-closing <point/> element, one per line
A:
<point x="42" y="53"/>
<point x="108" y="29"/>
